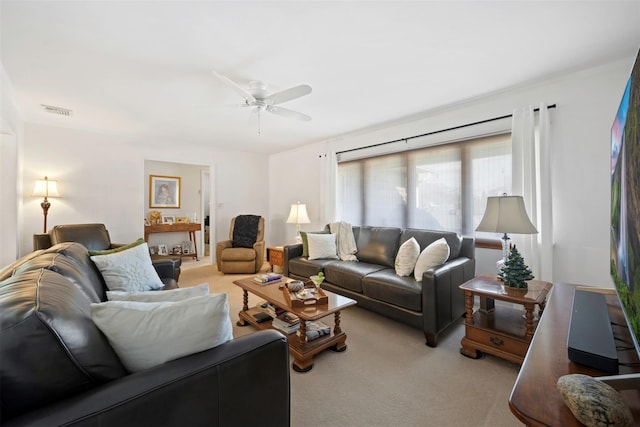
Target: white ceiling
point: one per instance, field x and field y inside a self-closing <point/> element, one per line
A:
<point x="142" y="69"/>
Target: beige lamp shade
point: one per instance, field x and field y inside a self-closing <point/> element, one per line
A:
<point x="298" y="214"/>
<point x="506" y="214"/>
<point x="46" y="188"/>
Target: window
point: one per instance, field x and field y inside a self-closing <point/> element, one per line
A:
<point x="444" y="187"/>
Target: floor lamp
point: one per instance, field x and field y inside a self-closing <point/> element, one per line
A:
<point x="298" y="215"/>
<point x="45" y="188"/>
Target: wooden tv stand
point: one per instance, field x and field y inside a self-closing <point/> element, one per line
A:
<point x="535" y="400"/>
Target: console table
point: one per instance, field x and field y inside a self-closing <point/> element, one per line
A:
<point x="190" y="228"/>
<point x="535" y="400"/>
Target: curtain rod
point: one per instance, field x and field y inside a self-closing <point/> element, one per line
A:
<point x="437" y="131"/>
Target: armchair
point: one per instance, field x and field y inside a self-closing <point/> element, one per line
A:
<point x="95" y="237"/>
<point x="246" y="260"/>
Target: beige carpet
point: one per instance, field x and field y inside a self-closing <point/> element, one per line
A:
<point x="387" y="376"/>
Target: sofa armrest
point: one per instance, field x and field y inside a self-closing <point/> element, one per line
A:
<point x="290" y="252"/>
<point x="41" y="241"/>
<point x="260" y="254"/>
<point x="442" y="299"/>
<point x="220" y="246"/>
<point x="241" y="382"/>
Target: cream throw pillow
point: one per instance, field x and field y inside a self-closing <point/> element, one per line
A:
<point x="433" y="255"/>
<point x="322" y="246"/>
<point x="146" y="334"/>
<point x="172" y="295"/>
<point x="130" y="270"/>
<point x="407" y="256"/>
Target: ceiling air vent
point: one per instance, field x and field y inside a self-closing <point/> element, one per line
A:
<point x="56" y="110"/>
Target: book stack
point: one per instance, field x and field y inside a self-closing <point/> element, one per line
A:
<point x="316" y="329"/>
<point x="267" y="278"/>
<point x="273" y="310"/>
<point x="286" y="322"/>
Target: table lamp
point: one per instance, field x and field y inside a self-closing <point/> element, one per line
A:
<point x="506" y="214"/>
<point x="45" y="188"/>
<point x="298" y="215"/>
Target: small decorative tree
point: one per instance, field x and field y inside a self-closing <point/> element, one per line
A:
<point x="515" y="272"/>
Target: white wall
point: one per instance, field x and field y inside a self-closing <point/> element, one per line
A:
<point x="101" y="179"/>
<point x="586" y="105"/>
<point x="11" y="135"/>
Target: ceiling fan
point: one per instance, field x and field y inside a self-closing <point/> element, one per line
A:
<point x="257" y="97"/>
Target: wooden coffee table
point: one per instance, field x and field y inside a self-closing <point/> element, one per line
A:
<point x="301" y="349"/>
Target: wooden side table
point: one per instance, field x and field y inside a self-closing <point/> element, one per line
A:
<point x="501" y="331"/>
<point x="275" y="256"/>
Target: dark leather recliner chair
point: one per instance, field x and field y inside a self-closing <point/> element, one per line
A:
<point x="95" y="237"/>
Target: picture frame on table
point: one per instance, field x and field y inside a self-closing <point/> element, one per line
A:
<point x="181" y="220"/>
<point x="164" y="191"/>
<point x="168" y="219"/>
<point x="162" y="250"/>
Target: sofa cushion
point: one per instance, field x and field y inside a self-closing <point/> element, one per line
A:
<point x="51" y="349"/>
<point x="407" y="256"/>
<point x="80" y="255"/>
<point x="117" y="248"/>
<point x="177" y="294"/>
<point x="8" y="271"/>
<point x="378" y="245"/>
<point x="385" y="285"/>
<point x="139" y="334"/>
<point x="349" y="274"/>
<point x="82" y="278"/>
<point x="426" y="237"/>
<point x="304" y="267"/>
<point x="322" y="246"/>
<point x="129" y="270"/>
<point x="432" y="256"/>
<point x="238" y="255"/>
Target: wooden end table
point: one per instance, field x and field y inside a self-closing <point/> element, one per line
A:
<point x="501" y="331"/>
<point x="301" y="349"/>
<point x="275" y="256"/>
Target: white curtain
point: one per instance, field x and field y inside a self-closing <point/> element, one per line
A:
<point x="328" y="187"/>
<point x="532" y="180"/>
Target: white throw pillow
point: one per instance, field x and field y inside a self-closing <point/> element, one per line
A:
<point x="433" y="255"/>
<point x="172" y="295"/>
<point x="129" y="270"/>
<point x="146" y="334"/>
<point x="407" y="256"/>
<point x="322" y="246"/>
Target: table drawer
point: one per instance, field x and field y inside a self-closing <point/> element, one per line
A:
<point x="502" y="342"/>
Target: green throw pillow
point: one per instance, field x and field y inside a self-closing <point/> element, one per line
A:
<point x="305" y="241"/>
<point x="118" y="249"/>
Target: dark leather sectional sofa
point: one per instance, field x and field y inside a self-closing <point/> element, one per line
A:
<point x="57" y="368"/>
<point x="431" y="304"/>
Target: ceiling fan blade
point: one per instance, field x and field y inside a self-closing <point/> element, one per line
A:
<point x="289" y="94"/>
<point x="285" y="112"/>
<point x="233" y="85"/>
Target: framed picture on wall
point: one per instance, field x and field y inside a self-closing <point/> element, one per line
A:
<point x="164" y="191"/>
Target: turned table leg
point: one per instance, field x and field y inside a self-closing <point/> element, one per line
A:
<point x="468" y="303"/>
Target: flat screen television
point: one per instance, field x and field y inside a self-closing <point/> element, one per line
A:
<point x="625" y="203"/>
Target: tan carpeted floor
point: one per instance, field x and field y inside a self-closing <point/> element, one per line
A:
<point x="387" y="376"/>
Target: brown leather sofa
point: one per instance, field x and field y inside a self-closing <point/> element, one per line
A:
<point x="57" y="368"/>
<point x="432" y="304"/>
<point x="232" y="259"/>
<point x="95" y="237"/>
